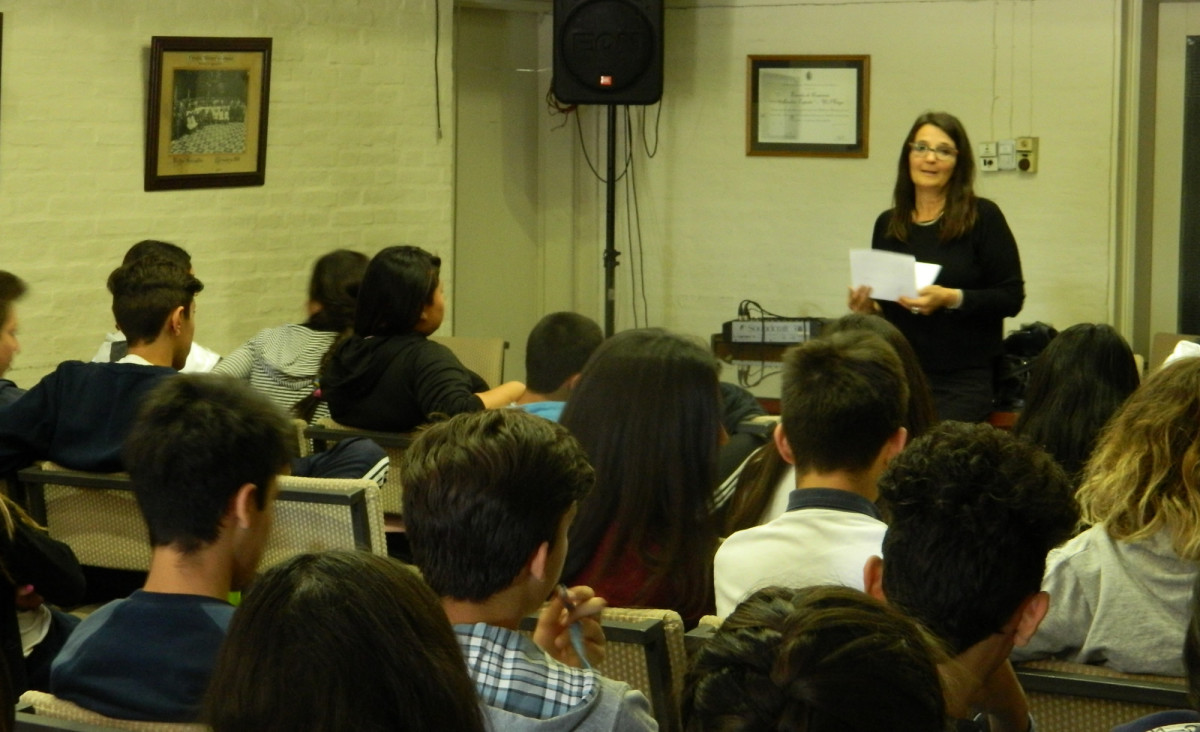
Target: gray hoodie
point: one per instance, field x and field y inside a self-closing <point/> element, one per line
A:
<point x="614" y="706"/>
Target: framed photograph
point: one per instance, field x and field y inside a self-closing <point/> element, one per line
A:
<point x="206" y="121"/>
<point x="808" y="105"/>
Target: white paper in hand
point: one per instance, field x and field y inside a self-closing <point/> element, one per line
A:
<point x="890" y="275"/>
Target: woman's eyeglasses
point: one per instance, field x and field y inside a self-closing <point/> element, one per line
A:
<point x="941" y="152"/>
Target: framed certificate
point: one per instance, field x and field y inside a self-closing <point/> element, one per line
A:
<point x="808" y="105"/>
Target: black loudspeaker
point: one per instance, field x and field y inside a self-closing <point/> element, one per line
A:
<point x="608" y="51"/>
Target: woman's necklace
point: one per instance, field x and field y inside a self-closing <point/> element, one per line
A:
<point x="926" y="221"/>
<point x="929" y="222"/>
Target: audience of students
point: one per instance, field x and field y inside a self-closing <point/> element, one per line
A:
<point x="78" y="415"/>
<point x="762" y="485"/>
<point x="341" y="641"/>
<point x="12" y="288"/>
<point x="1081" y="378"/>
<point x="819" y="659"/>
<point x="843" y="401"/>
<point x="491" y="543"/>
<point x="283" y="362"/>
<point x="203" y="457"/>
<point x="557" y="348"/>
<point x="973" y="513"/>
<point x="114" y="348"/>
<point x="1122" y="587"/>
<point x="501" y="504"/>
<point x="388" y="375"/>
<point x="647" y="413"/>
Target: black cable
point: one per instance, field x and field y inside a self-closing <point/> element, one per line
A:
<point x="437" y="84"/>
<point x="579" y="130"/>
<point x="744" y="310"/>
<point x="657" y="121"/>
<point x="637" y="213"/>
<point x="557" y="108"/>
<point x="629" y="226"/>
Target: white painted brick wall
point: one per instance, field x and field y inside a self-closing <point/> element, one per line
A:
<point x="353" y="158"/>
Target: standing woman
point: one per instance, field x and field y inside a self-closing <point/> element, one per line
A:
<point x="956" y="324"/>
<point x="389" y="376"/>
<point x="647" y="412"/>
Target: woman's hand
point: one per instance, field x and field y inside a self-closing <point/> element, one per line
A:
<point x="931" y="299"/>
<point x="861" y="302"/>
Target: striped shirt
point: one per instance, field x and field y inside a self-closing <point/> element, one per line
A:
<point x="282" y="363"/>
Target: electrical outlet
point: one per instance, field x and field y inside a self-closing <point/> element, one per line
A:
<point x="1027" y="154"/>
<point x="987" y="157"/>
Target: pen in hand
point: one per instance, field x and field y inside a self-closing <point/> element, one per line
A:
<point x="575" y="630"/>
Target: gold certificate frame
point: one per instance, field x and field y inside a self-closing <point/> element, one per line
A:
<point x="206" y="119"/>
<point x="808" y="105"/>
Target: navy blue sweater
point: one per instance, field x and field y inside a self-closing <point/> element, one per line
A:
<point x="77" y="416"/>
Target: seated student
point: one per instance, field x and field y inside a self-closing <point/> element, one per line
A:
<point x="341" y="641"/>
<point x="843" y="402"/>
<point x="973" y="512"/>
<point x="283" y="362"/>
<point x="1135" y="566"/>
<point x="558" y="347"/>
<point x="647" y="413"/>
<point x="79" y="415"/>
<point x="389" y="376"/>
<point x="1179" y="720"/>
<point x="1075" y="386"/>
<point x="491" y="543"/>
<point x="202" y="456"/>
<point x="34" y="570"/>
<point x="199" y="359"/>
<point x="11" y="290"/>
<point x="738" y="405"/>
<point x="760" y="488"/>
<point x="820" y="659"/>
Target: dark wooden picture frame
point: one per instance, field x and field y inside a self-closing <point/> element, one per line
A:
<point x="206" y="117"/>
<point x="808" y="105"/>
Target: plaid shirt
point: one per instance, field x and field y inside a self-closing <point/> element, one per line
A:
<point x="513" y="674"/>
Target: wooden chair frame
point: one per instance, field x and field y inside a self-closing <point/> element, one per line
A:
<point x="1124" y="688"/>
<point x="354" y="496"/>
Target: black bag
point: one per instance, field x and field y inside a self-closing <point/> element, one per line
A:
<point x="1021" y="347"/>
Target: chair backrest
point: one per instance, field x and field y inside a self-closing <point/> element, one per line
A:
<point x="644" y="648"/>
<point x="695" y="638"/>
<point x="1074" y="697"/>
<point x="30" y="722"/>
<point x="303" y="443"/>
<point x="319" y="514"/>
<point x="1162" y="345"/>
<point x="97" y="515"/>
<point x="327" y="431"/>
<point x="48" y="707"/>
<point x="484" y="356"/>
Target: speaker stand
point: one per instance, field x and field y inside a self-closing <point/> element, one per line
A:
<point x="610" y="226"/>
